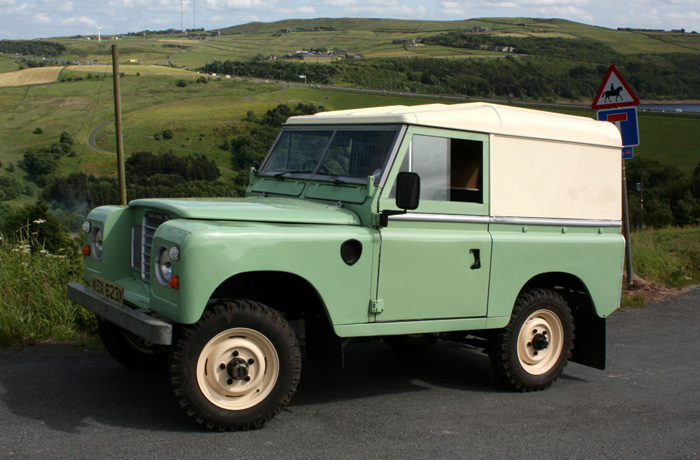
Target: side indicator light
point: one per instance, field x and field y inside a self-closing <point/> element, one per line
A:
<point x="174" y="282"/>
<point x="85" y="250"/>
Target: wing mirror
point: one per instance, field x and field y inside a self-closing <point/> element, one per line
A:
<point x="407" y="196"/>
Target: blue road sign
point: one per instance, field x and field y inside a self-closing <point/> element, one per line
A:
<point x="626" y="121"/>
<point x="627" y="153"/>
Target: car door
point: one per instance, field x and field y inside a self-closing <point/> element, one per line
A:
<point x="434" y="261"/>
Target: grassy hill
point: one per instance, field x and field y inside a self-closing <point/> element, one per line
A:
<point x="372" y="37"/>
<point x="37" y="105"/>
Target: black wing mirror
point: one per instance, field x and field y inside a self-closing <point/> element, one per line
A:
<point x="407" y="196"/>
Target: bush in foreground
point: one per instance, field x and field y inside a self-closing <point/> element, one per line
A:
<point x="33" y="303"/>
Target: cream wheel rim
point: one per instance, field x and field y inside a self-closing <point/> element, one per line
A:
<point x="237" y="369"/>
<point x="540" y="342"/>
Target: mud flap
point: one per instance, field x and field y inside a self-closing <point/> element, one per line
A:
<point x="322" y="344"/>
<point x="589" y="342"/>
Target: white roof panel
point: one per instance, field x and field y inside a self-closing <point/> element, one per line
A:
<point x="478" y="117"/>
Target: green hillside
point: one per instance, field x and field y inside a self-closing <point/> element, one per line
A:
<point x="371" y="37"/>
<point x="205" y="113"/>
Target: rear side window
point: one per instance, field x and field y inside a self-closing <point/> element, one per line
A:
<point x="450" y="169"/>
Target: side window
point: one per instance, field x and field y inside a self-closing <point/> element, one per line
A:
<point x="450" y="169"/>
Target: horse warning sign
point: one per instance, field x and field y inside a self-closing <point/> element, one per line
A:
<point x="614" y="92"/>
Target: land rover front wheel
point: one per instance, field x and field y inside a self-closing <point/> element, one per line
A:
<point x="530" y="353"/>
<point x="237" y="367"/>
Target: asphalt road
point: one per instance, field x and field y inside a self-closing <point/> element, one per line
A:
<point x="58" y="402"/>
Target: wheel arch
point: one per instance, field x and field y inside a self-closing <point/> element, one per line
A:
<point x="272" y="288"/>
<point x="297" y="300"/>
<point x="590" y="331"/>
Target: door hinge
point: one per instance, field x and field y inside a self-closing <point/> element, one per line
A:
<point x="376" y="306"/>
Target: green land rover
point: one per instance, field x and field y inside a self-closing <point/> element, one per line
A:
<point x="494" y="226"/>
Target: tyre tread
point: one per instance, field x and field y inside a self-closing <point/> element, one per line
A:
<point x="499" y="349"/>
<point x="214" y="315"/>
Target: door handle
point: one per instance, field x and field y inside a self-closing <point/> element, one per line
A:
<point x="477" y="259"/>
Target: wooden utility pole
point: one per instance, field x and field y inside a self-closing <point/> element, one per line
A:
<point x="118" y="126"/>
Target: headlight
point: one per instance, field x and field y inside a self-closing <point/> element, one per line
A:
<point x="164" y="265"/>
<point x="97" y="243"/>
<point x="87" y="227"/>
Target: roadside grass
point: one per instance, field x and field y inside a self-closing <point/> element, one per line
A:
<point x="669" y="256"/>
<point x="33" y="304"/>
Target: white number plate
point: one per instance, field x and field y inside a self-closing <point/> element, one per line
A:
<point x="108" y="290"/>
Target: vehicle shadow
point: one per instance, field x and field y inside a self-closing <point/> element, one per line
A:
<point x="68" y="389"/>
<point x="374" y="369"/>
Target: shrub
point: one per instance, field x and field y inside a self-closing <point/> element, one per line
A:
<point x="181" y="83"/>
<point x="657" y="213"/>
<point x="35" y="226"/>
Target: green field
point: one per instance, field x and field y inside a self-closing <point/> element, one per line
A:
<point x="7" y="64"/>
<point x="372" y="37"/>
<point x="204" y="115"/>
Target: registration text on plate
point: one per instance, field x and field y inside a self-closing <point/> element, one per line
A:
<point x="108" y="290"/>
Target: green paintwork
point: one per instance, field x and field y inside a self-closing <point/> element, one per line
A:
<point x="213" y="252"/>
<point x="417" y="275"/>
<point x="251" y="209"/>
<point x="593" y="255"/>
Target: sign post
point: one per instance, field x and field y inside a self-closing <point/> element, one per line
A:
<point x="615" y="102"/>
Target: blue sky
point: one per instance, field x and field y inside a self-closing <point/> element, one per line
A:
<point x="25" y="19"/>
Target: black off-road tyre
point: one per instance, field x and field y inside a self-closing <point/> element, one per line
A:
<point x="530" y="353"/>
<point x="237" y="367"/>
<point x="130" y="350"/>
<point x="411" y="343"/>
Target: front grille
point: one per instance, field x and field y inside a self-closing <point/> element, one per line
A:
<point x="142" y="242"/>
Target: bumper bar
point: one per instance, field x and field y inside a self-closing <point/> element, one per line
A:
<point x="136" y="321"/>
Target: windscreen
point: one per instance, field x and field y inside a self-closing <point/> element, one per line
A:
<point x="335" y="152"/>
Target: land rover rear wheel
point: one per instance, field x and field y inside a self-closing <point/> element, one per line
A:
<point x="530" y="353"/>
<point x="237" y="367"/>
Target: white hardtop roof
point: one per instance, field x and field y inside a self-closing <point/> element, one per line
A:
<point x="478" y="117"/>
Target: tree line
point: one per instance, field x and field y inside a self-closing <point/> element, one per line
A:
<point x="669" y="197"/>
<point x="31" y="47"/>
<point x="553" y="69"/>
<point x="148" y="175"/>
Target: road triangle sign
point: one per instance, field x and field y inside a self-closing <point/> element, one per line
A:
<point x="614" y="92"/>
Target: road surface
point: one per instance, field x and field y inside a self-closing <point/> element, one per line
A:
<point x="65" y="403"/>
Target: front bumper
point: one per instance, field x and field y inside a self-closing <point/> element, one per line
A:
<point x="136" y="321"/>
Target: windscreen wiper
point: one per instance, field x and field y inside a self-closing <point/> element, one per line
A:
<point x="335" y="178"/>
<point x="296" y="171"/>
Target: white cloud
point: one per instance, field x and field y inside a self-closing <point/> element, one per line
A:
<point x="239" y="4"/>
<point x="78" y="20"/>
<point x="387" y="9"/>
<point x="41" y="18"/>
<point x="453" y="9"/>
<point x="306" y="10"/>
<point x="339" y="3"/>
